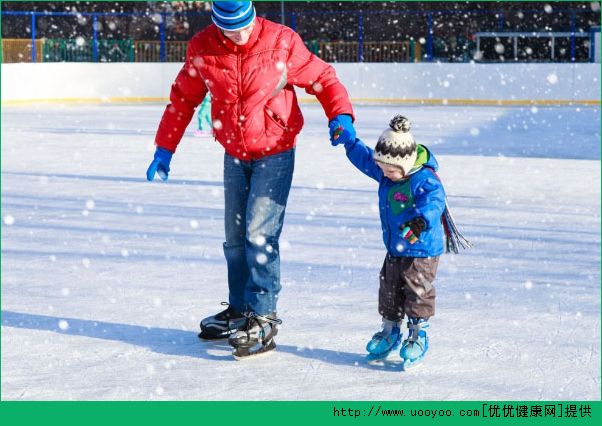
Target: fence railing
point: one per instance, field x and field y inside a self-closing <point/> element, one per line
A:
<point x="150" y="51"/>
<point x="349" y="35"/>
<point x="541" y="46"/>
<point x="370" y="51"/>
<point x="19" y="50"/>
<point x="68" y="50"/>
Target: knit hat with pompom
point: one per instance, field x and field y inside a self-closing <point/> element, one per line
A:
<point x="396" y="145"/>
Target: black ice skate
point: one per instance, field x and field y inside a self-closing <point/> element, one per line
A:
<point x="255" y="337"/>
<point x="222" y="324"/>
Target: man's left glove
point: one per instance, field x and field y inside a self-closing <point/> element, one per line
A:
<point x="160" y="164"/>
<point x="341" y="130"/>
<point x="411" y="230"/>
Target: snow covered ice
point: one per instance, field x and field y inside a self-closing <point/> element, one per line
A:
<point x="105" y="276"/>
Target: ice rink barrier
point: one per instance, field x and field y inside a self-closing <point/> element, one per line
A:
<point x="394" y="83"/>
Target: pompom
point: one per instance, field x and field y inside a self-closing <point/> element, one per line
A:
<point x="400" y="124"/>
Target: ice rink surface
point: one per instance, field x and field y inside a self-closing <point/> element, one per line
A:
<point x="105" y="276"/>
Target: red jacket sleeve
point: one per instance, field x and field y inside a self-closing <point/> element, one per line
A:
<point x="318" y="78"/>
<point x="187" y="92"/>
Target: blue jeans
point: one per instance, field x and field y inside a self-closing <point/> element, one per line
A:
<point x="255" y="195"/>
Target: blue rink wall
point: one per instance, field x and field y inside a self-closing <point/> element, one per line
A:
<point x="436" y="83"/>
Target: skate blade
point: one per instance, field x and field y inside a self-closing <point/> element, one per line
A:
<point x="242" y="353"/>
<point x="411" y="365"/>
<point x="376" y="359"/>
<point x="390" y="358"/>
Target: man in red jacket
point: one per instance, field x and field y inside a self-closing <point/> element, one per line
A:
<point x="250" y="65"/>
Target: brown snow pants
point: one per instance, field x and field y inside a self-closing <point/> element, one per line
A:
<point x="406" y="287"/>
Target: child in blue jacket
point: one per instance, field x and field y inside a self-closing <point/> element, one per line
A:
<point x="413" y="212"/>
<point x="205" y="125"/>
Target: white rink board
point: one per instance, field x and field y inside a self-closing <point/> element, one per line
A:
<point x="376" y="82"/>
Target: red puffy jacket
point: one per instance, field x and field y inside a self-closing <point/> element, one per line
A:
<point x="253" y="104"/>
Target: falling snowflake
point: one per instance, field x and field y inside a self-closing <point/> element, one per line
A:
<point x="260" y="240"/>
<point x="552" y="78"/>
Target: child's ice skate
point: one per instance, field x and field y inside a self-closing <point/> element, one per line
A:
<point x="384" y="342"/>
<point x="414" y="348"/>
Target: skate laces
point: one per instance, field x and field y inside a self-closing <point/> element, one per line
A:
<point x="414" y="327"/>
<point x="228" y="306"/>
<point x="388" y="331"/>
<point x="228" y="312"/>
<point x="253" y="315"/>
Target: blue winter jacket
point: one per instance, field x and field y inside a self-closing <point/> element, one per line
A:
<point x="420" y="194"/>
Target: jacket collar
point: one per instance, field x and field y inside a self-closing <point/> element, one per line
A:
<point x="234" y="48"/>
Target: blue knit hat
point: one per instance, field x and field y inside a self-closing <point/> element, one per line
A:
<point x="232" y="15"/>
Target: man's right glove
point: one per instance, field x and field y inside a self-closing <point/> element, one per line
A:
<point x="411" y="230"/>
<point x="160" y="164"/>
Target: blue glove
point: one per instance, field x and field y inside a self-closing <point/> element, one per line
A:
<point x="341" y="130"/>
<point x="160" y="164"/>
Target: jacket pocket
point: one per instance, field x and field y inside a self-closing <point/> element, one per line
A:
<point x="275" y="118"/>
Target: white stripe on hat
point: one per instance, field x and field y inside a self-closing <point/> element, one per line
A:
<point x="233" y="17"/>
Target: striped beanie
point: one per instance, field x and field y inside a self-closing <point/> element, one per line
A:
<point x="232" y="15"/>
<point x="396" y="145"/>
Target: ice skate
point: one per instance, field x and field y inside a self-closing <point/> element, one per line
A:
<point x="222" y="324"/>
<point x="384" y="342"/>
<point x="255" y="337"/>
<point x="414" y="348"/>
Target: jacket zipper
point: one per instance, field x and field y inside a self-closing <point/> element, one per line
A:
<point x="386" y="213"/>
<point x="239" y="104"/>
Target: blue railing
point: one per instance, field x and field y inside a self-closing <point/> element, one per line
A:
<point x="94" y="16"/>
<point x="293" y="19"/>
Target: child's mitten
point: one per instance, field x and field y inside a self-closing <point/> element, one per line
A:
<point x="341" y="130"/>
<point x="411" y="230"/>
